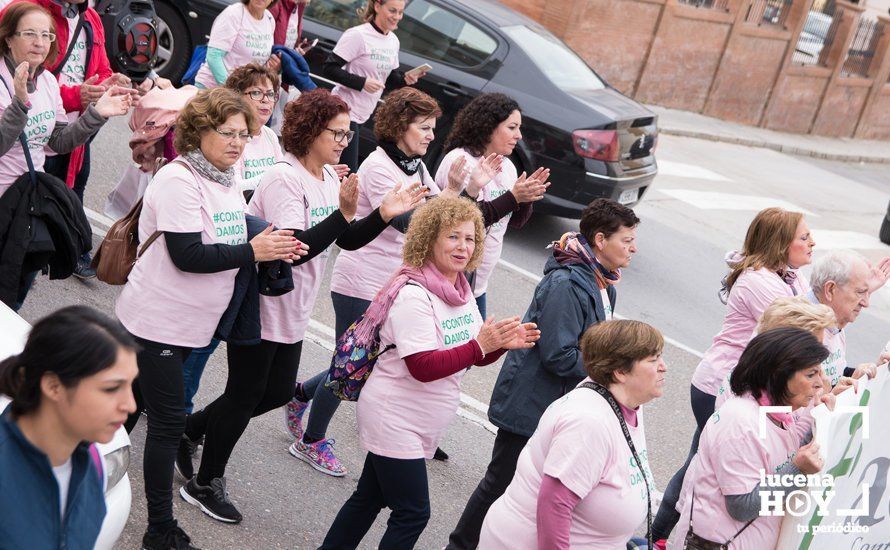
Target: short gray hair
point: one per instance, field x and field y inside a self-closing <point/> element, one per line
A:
<point x="835" y="266"/>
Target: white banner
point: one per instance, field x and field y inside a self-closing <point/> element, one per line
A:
<point x="855" y="442"/>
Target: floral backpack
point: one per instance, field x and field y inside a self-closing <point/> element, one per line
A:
<point x="352" y="363"/>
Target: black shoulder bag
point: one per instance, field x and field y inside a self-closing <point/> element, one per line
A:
<point x="696" y="542"/>
<point x="607" y="395"/>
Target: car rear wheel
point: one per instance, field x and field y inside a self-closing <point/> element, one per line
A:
<point x="174" y="46"/>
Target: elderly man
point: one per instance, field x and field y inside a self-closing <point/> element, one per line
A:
<point x="844" y="281"/>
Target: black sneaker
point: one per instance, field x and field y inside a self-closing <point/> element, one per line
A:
<point x="171" y="539"/>
<point x="82" y="270"/>
<point x="440" y="454"/>
<point x="185" y="455"/>
<point x="213" y="500"/>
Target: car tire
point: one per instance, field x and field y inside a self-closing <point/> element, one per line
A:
<point x="884" y="234"/>
<point x="174" y="44"/>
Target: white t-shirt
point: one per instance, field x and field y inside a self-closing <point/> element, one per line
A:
<point x="371" y="55"/>
<point x="494" y="234"/>
<point x="292" y="198"/>
<point x="361" y="273"/>
<point x="244" y="39"/>
<point x="607" y="304"/>
<point x="159" y="302"/>
<point x="259" y="155"/>
<point x="46" y="108"/>
<point x="63" y="478"/>
<point x="293" y="29"/>
<point x="578" y="441"/>
<point x="731" y="456"/>
<point x="75" y="69"/>
<point x="836" y="362"/>
<point x="399" y="416"/>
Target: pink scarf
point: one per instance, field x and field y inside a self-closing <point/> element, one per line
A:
<point x="427" y="276"/>
<point x="785" y="419"/>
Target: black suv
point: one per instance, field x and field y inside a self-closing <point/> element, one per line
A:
<point x="596" y="141"/>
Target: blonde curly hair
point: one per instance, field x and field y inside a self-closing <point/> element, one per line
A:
<point x="433" y="217"/>
<point x="797" y="312"/>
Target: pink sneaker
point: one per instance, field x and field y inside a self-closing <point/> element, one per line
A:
<point x="293" y="416"/>
<point x="319" y="455"/>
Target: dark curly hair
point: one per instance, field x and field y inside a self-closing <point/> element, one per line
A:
<point x="475" y="123"/>
<point x="249" y="75"/>
<point x="399" y="109"/>
<point x="607" y="217"/>
<point x="307" y="117"/>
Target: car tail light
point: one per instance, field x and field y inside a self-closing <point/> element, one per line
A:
<point x="596" y="144"/>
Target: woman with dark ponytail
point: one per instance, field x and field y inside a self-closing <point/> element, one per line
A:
<point x="70" y="387"/>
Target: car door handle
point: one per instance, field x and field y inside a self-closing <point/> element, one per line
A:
<point x="452" y="90"/>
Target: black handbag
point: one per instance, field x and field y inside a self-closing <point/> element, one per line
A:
<point x="696" y="542"/>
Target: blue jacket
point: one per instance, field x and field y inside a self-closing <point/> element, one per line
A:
<point x="294" y="69"/>
<point x="29" y="496"/>
<point x="566" y="302"/>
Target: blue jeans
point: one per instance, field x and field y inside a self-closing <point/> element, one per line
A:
<point x="480" y="303"/>
<point x="324" y="403"/>
<point x="667" y="516"/>
<point x="193" y="368"/>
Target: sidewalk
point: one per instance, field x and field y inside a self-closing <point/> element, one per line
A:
<point x="686" y="124"/>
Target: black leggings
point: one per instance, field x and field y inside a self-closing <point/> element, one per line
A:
<point x="261" y="378"/>
<point x="159" y="391"/>
<point x="398" y="484"/>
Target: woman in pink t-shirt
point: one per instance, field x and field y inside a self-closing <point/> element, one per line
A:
<point x="428" y="313"/>
<point x="778" y="242"/>
<point x="488" y="127"/>
<point x="405" y="126"/>
<point x="242" y="33"/>
<point x="301" y="193"/>
<point x="721" y="501"/>
<point x="194" y="242"/>
<point x="578" y="482"/>
<point x="364" y="62"/>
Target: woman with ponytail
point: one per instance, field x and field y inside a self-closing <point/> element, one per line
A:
<point x="70" y="387"/>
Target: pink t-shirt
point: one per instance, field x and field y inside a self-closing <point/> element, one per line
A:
<point x="245" y="39"/>
<point x="160" y="302"/>
<point x="46" y="108"/>
<point x="494" y="234"/>
<point x="399" y="416"/>
<point x="731" y="456"/>
<point x="751" y="294"/>
<point x="259" y="155"/>
<point x="371" y="55"/>
<point x="361" y="273"/>
<point x="290" y="197"/>
<point x="579" y="442"/>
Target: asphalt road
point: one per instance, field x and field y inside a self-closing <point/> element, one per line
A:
<point x="699" y="208"/>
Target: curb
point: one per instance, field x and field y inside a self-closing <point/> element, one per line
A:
<point x="761" y="144"/>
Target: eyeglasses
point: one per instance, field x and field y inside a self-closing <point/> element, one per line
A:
<point x="229" y="135"/>
<point x="33" y="36"/>
<point x="339" y="135"/>
<point x="258" y="95"/>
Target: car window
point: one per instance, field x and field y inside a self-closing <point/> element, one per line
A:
<point x="341" y="14"/>
<point x="443" y="35"/>
<point x="560" y="64"/>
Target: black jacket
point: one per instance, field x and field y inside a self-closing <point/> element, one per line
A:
<point x="240" y="323"/>
<point x="60" y="209"/>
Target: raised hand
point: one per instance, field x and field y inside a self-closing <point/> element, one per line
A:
<point x="349" y="196"/>
<point x="524" y="336"/>
<point x="116" y="101"/>
<point x="879" y="274"/>
<point x="20" y="81"/>
<point x="274" y="63"/>
<point x="277" y="244"/>
<point x="398" y="201"/>
<point x="531" y="188"/>
<point x="457" y="176"/>
<point x="807" y="459"/>
<point x="484" y="171"/>
<point x="494" y="335"/>
<point x="342" y="170"/>
<point x="116" y="79"/>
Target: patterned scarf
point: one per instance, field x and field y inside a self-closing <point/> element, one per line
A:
<point x="573" y="249"/>
<point x="200" y="163"/>
<point x="409" y="165"/>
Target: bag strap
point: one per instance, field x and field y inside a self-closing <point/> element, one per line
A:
<point x="72" y="42"/>
<point x="725" y="545"/>
<point x="607" y="395"/>
<point x="154" y="236"/>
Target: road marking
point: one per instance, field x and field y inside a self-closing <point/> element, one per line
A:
<point x="683" y="170"/>
<point x="838" y="240"/>
<point x="98" y="231"/>
<point x="711" y="200"/>
<point x="97" y="217"/>
<point x="537" y="279"/>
